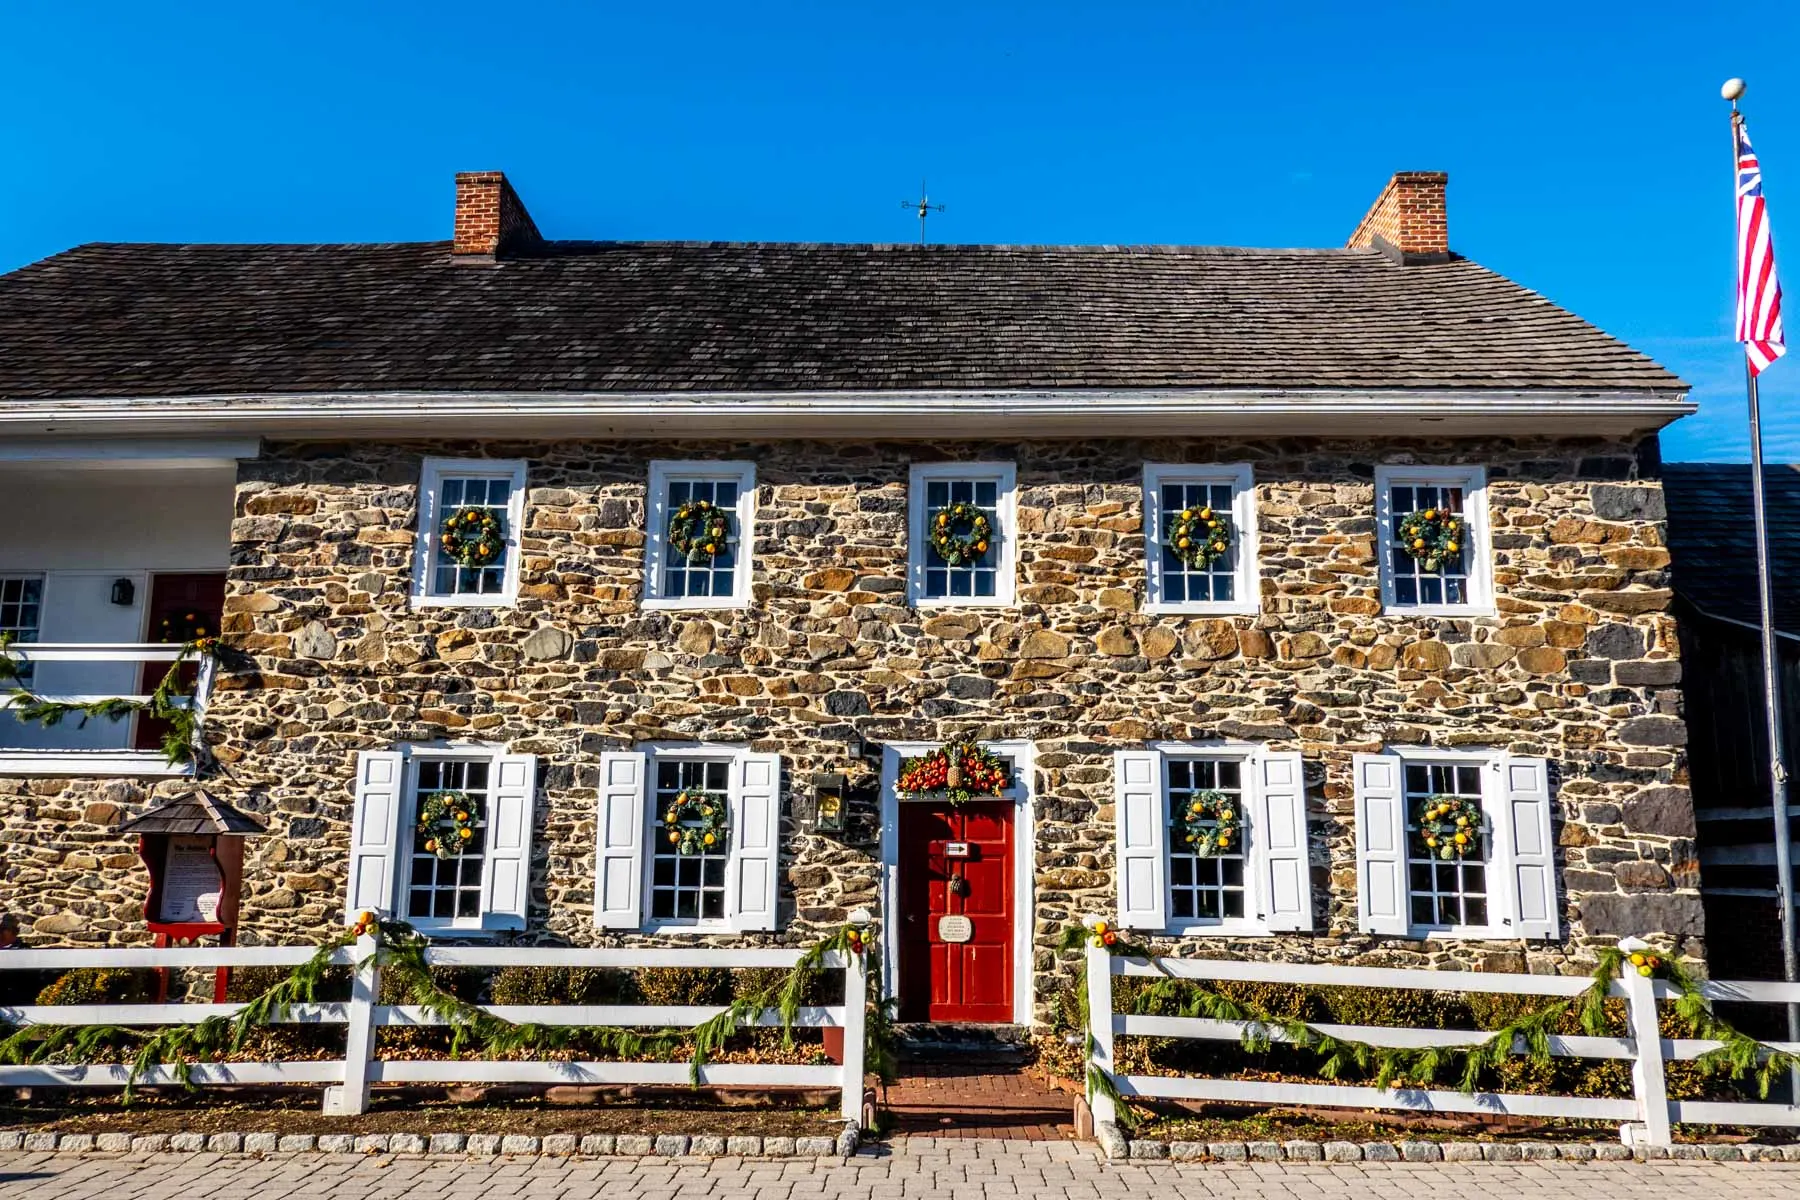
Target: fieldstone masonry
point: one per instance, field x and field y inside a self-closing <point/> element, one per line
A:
<point x="1579" y="665"/>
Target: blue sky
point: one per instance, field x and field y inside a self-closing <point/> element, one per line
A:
<point x="1588" y="151"/>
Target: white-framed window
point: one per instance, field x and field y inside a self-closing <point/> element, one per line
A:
<point x="986" y="577"/>
<point x="484" y="888"/>
<point x="1504" y="888"/>
<point x="448" y="486"/>
<point x="1463" y="581"/>
<point x="643" y="881"/>
<point x="698" y="579"/>
<point x="1260" y="885"/>
<point x="21" y="615"/>
<point x="1227" y="585"/>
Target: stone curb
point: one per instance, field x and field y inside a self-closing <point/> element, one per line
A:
<point x="476" y="1145"/>
<point x="1115" y="1145"/>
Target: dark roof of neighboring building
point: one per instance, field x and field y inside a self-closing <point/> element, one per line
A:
<point x="1712" y="539"/>
<point x="165" y="320"/>
<point x="201" y="812"/>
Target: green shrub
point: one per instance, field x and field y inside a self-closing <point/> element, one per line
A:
<point x="560" y="985"/>
<point x="683" y="985"/>
<point x="100" y="985"/>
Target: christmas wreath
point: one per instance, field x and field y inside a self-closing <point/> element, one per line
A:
<point x="960" y="772"/>
<point x="700" y="530"/>
<point x="695" y="822"/>
<point x="447" y="819"/>
<point x="186" y="628"/>
<point x="473" y="537"/>
<point x="1433" y="537"/>
<point x="1209" y="824"/>
<point x="1199" y="537"/>
<point x="1450" y="826"/>
<point x="960" y="533"/>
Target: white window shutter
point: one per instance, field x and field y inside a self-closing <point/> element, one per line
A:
<point x="756" y="841"/>
<point x="1140" y="839"/>
<point x="1522" y="830"/>
<point x="1279" y="843"/>
<point x="619" y="842"/>
<point x="374" y="834"/>
<point x="511" y="800"/>
<point x="1381" y="891"/>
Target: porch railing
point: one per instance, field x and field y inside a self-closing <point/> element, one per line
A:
<point x="98" y="752"/>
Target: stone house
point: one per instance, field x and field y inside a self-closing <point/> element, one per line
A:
<point x="276" y="442"/>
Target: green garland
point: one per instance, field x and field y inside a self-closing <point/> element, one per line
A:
<point x="1199" y="537"/>
<point x="700" y="530"/>
<point x="473" y="537"/>
<point x="960" y="533"/>
<point x="180" y="740"/>
<point x="696" y="822"/>
<point x="1450" y="826"/>
<point x="1432" y="537"/>
<point x="1209" y="825"/>
<point x="460" y="811"/>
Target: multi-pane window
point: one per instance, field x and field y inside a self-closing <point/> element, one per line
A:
<point x="21" y="610"/>
<point x="463" y="561"/>
<point x="700" y="572"/>
<point x="1205" y="887"/>
<point x="1181" y="580"/>
<point x="1444" y="893"/>
<point x="446" y="889"/>
<point x="1437" y="562"/>
<point x="686" y="888"/>
<point x="1415" y="581"/>
<point x="975" y="575"/>
<point x="450" y="577"/>
<point x="699" y="536"/>
<point x="1181" y="502"/>
<point x="961" y="536"/>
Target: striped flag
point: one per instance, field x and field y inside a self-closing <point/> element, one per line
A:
<point x="1759" y="291"/>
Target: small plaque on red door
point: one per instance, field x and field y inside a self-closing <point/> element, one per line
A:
<point x="956" y="849"/>
<point x="955" y="929"/>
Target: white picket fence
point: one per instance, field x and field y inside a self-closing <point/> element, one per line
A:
<point x="1644" y="1118"/>
<point x="348" y="1078"/>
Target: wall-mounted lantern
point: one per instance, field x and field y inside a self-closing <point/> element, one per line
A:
<point x="831" y="801"/>
<point x="124" y="592"/>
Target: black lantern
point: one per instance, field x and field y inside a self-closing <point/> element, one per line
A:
<point x="123" y="592"/>
<point x="831" y="807"/>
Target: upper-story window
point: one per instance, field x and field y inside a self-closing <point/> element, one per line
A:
<point x="1454" y="843"/>
<point x="21" y="611"/>
<point x="442" y="837"/>
<point x="700" y="518"/>
<point x="1433" y="530"/>
<point x="961" y="534"/>
<point x="467" y="550"/>
<point x="1200" y="538"/>
<point x="1211" y="839"/>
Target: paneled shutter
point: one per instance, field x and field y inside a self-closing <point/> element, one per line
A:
<point x="1525" y="827"/>
<point x="1381" y="892"/>
<point x="1140" y="836"/>
<point x="619" y="842"/>
<point x="756" y="842"/>
<point x="1279" y="844"/>
<point x="511" y="803"/>
<point x="374" y="834"/>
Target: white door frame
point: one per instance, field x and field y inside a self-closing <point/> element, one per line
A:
<point x="1023" y="755"/>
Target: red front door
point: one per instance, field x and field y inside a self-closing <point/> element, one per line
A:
<point x="956" y="862"/>
<point x="183" y="608"/>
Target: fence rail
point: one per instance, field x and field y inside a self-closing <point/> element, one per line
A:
<point x="1647" y="1116"/>
<point x="348" y="1078"/>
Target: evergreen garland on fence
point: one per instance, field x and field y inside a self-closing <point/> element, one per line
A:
<point x="180" y="740"/>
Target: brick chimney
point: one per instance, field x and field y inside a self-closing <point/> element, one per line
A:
<point x="491" y="220"/>
<point x="1408" y="220"/>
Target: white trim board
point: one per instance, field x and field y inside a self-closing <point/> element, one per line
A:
<point x="1024" y="756"/>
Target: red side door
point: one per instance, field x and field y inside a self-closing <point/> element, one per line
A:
<point x="960" y="969"/>
<point x="183" y="608"/>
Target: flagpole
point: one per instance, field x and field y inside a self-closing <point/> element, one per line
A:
<point x="1784" y="857"/>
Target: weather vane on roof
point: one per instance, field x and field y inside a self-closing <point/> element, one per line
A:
<point x="925" y="208"/>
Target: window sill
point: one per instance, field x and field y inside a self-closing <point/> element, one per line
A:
<point x="1501" y="934"/>
<point x="1210" y="608"/>
<point x="1439" y="610"/>
<point x="962" y="602"/>
<point x="710" y="928"/>
<point x="692" y="603"/>
<point x="497" y="600"/>
<point x="101" y="764"/>
<point x="1236" y="927"/>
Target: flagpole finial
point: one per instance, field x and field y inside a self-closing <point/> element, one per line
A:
<point x="1733" y="89"/>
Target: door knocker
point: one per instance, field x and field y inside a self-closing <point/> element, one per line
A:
<point x="958" y="885"/>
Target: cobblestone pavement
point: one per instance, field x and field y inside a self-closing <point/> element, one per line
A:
<point x="920" y="1167"/>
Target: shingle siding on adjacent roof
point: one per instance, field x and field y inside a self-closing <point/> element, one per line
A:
<point x="164" y="320"/>
<point x="1713" y="544"/>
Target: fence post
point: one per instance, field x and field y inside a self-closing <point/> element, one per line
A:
<point x="352" y="1096"/>
<point x="1100" y="1030"/>
<point x="856" y="1002"/>
<point x="1647" y="1084"/>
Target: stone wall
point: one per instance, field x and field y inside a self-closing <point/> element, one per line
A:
<point x="1580" y="665"/>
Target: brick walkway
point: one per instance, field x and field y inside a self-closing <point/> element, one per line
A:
<point x="979" y="1101"/>
<point x="918" y="1168"/>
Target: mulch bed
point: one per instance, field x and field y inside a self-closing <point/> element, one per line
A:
<point x="1228" y="1123"/>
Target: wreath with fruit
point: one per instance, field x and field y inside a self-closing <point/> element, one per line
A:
<point x="960" y="772"/>
<point x="447" y="819"/>
<point x="1433" y="537"/>
<point x="695" y="822"/>
<point x="473" y="537"/>
<point x="183" y="629"/>
<point x="1199" y="537"/>
<point x="960" y="533"/>
<point x="1450" y="826"/>
<point x="1208" y="825"/>
<point x="700" y="530"/>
